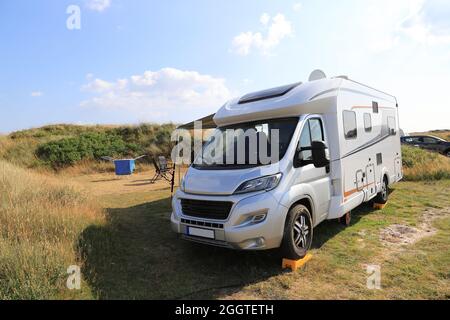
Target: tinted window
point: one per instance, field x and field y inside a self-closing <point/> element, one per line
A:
<point x="375" y="107"/>
<point x="429" y="140"/>
<point x="367" y="122"/>
<point x="226" y="140"/>
<point x="350" y="131"/>
<point x="412" y="139"/>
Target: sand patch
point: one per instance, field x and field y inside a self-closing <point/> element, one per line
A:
<point x="399" y="234"/>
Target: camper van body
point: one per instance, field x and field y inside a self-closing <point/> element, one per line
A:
<point x="360" y="127"/>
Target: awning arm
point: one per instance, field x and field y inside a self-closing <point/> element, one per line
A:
<point x="207" y="123"/>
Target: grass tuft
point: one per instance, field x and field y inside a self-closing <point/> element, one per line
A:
<point x="41" y="220"/>
<point x="419" y="164"/>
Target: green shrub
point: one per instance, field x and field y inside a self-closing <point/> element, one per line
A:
<point x="64" y="145"/>
<point x="56" y="130"/>
<point x="90" y="146"/>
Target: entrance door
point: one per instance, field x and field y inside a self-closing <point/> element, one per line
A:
<point x="398" y="168"/>
<point x="370" y="174"/>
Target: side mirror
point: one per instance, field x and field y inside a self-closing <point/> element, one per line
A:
<point x="297" y="159"/>
<point x="192" y="156"/>
<point x="319" y="155"/>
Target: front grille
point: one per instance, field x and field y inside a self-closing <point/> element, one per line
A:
<point x="217" y="210"/>
<point x="202" y="223"/>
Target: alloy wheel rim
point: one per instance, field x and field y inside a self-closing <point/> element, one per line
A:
<point x="301" y="232"/>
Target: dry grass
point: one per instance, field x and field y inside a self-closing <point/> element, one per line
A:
<point x="41" y="219"/>
<point x="47" y="225"/>
<point x="145" y="260"/>
<point x="420" y="165"/>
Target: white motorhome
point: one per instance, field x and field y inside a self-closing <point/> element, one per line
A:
<point x="339" y="146"/>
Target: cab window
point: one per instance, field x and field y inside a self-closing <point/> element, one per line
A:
<point x="305" y="142"/>
<point x="312" y="131"/>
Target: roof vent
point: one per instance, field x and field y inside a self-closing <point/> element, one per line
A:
<point x="268" y="94"/>
<point x="317" y="75"/>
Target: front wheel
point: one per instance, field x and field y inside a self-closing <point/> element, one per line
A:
<point x="298" y="233"/>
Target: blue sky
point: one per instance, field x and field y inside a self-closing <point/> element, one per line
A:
<point x="137" y="61"/>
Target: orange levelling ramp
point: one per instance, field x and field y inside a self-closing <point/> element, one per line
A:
<point x="379" y="206"/>
<point x="295" y="264"/>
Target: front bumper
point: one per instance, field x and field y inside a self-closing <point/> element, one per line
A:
<point x="235" y="232"/>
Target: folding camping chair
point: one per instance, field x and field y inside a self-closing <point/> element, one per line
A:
<point x="163" y="170"/>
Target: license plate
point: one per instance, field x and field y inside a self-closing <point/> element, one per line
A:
<point x="204" y="233"/>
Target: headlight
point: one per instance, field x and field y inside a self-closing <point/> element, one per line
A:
<point x="264" y="183"/>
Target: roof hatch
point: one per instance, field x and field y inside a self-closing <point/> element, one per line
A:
<point x="268" y="93"/>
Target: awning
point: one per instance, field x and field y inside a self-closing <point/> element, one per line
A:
<point x="207" y="123"/>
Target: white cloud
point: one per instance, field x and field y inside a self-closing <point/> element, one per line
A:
<point x="386" y="23"/>
<point x="37" y="94"/>
<point x="97" y="5"/>
<point x="279" y="29"/>
<point x="428" y="22"/>
<point x="159" y="95"/>
<point x="98" y="86"/>
<point x="265" y="18"/>
<point x="297" y="7"/>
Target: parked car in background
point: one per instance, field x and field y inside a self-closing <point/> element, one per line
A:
<point x="429" y="143"/>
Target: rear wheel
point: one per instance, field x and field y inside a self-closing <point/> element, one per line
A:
<point x="298" y="233"/>
<point x="447" y="153"/>
<point x="382" y="196"/>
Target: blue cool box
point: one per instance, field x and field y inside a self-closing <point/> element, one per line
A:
<point x="124" y="167"/>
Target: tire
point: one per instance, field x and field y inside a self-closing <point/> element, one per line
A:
<point x="382" y="196"/>
<point x="298" y="233"/>
<point x="447" y="153"/>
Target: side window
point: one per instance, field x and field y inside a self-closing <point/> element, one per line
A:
<point x="374" y="107"/>
<point x="312" y="131"/>
<point x="391" y="126"/>
<point x="429" y="140"/>
<point x="315" y="127"/>
<point x="305" y="142"/>
<point x="350" y="131"/>
<point x="367" y="122"/>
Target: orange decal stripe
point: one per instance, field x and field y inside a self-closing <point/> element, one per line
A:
<point x="350" y="192"/>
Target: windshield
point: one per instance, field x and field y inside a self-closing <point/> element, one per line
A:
<point x="247" y="144"/>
